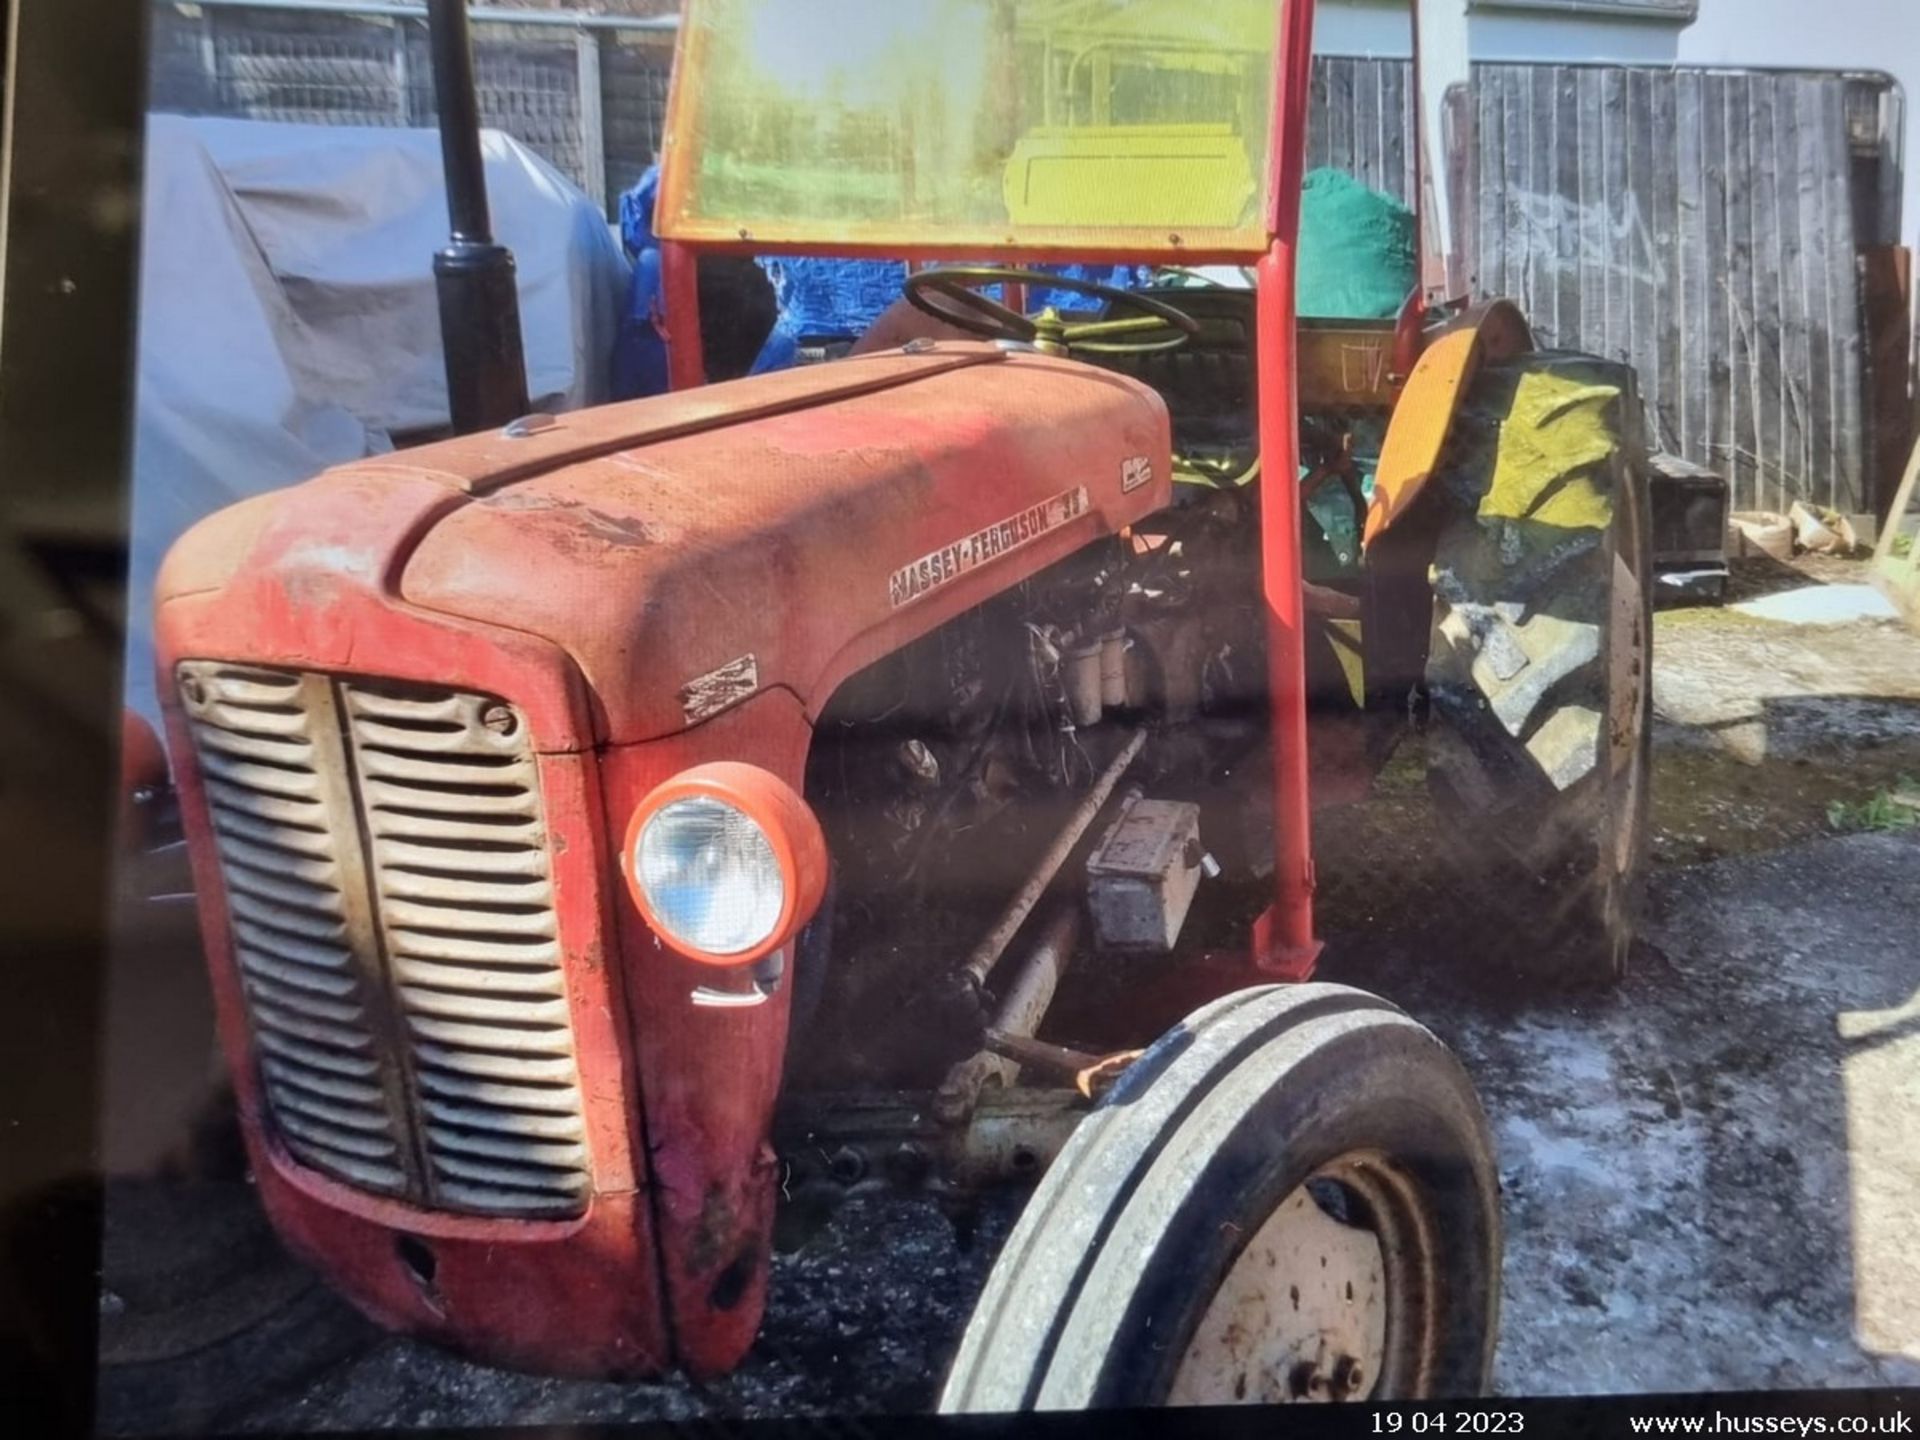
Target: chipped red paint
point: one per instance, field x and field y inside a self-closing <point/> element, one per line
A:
<point x="314" y="592"/>
<point x="587" y="573"/>
<point x="655" y="565"/>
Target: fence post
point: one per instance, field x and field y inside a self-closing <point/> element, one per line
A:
<point x="210" y="56"/>
<point x="402" y="76"/>
<point x="593" y="129"/>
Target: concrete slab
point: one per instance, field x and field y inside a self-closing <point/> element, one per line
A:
<point x="1822" y="605"/>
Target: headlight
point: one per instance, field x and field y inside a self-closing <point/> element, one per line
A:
<point x="726" y="862"/>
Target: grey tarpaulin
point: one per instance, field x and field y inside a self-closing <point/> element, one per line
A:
<point x="287" y="312"/>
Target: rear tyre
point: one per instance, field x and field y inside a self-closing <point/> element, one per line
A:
<point x="1291" y="1196"/>
<point x="1540" y="663"/>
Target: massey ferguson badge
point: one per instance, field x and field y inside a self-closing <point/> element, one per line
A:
<point x="930" y="572"/>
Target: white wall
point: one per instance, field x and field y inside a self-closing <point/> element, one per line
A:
<point x="1863" y="35"/>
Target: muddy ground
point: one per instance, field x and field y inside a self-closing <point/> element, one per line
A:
<point x="1711" y="1177"/>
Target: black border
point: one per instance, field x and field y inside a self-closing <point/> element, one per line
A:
<point x="73" y="106"/>
<point x="74" y="93"/>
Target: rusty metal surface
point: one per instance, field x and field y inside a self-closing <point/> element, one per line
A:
<point x="594" y="597"/>
<point x="1092" y="1075"/>
<point x="866" y="1140"/>
<point x="813" y="540"/>
<point x="984" y="956"/>
<point x="300" y="584"/>
<point x="1022" y="1007"/>
<point x="1142" y="876"/>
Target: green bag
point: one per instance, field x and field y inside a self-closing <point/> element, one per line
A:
<point x="1356" y="250"/>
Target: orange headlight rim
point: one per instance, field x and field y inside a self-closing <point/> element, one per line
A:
<point x="792" y="831"/>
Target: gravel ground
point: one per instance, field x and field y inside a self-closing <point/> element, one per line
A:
<point x="1710" y="1177"/>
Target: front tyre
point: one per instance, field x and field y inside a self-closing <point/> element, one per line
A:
<point x="1291" y="1197"/>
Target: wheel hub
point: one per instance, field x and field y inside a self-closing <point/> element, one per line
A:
<point x="1301" y="1315"/>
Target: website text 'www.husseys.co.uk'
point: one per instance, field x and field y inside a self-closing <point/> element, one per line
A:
<point x="1722" y="1424"/>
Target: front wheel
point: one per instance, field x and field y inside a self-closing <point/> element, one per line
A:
<point x="1291" y="1197"/>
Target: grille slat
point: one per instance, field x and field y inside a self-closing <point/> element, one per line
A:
<point x="440" y="1067"/>
<point x="561" y="1158"/>
<point x="322" y="982"/>
<point x="275" y="690"/>
<point x="482" y="918"/>
<point x="330" y="1138"/>
<point x="314" y="871"/>
<point x="528" y="1097"/>
<point x="485" y="1113"/>
<point x="281" y="892"/>
<point x="470" y="950"/>
<point x="282" y="922"/>
<point x="539" y="983"/>
<point x="385" y="857"/>
<point x="406" y="855"/>
<point x="298" y="1022"/>
<point x="498" y="1199"/>
<point x="243" y="745"/>
<point x="464" y="893"/>
<point x="290" y="948"/>
<point x="531" y="1178"/>
<point x="297" y="841"/>
<point x="399" y="823"/>
<point x="429" y="754"/>
<point x="306" y="815"/>
<point x="329" y="1087"/>
<point x="315" y="1060"/>
<point x="442" y="799"/>
<point x="496" y="1039"/>
<point x="371" y="702"/>
<point x="314" y="1004"/>
<point x="460" y="1005"/>
<point x="360" y="1120"/>
<point x="272" y="780"/>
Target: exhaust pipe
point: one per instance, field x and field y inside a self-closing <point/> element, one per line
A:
<point x="474" y="277"/>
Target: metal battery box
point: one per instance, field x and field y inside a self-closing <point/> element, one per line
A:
<point x="1142" y="876"/>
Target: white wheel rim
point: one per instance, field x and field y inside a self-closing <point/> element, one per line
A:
<point x="1301" y="1315"/>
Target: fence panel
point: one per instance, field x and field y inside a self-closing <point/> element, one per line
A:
<point x="1700" y="225"/>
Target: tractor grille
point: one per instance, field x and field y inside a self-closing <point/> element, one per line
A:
<point x="386" y="866"/>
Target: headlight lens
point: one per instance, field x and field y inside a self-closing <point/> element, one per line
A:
<point x="710" y="875"/>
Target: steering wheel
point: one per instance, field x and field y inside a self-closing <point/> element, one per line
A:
<point x="961" y="305"/>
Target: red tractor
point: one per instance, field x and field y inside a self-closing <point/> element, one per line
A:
<point x="610" y="825"/>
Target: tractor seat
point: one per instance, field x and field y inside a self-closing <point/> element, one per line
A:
<point x="1208" y="383"/>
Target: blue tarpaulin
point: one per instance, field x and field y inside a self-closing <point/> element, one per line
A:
<point x="820" y="298"/>
<point x="639" y="354"/>
<point x="1356" y="261"/>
